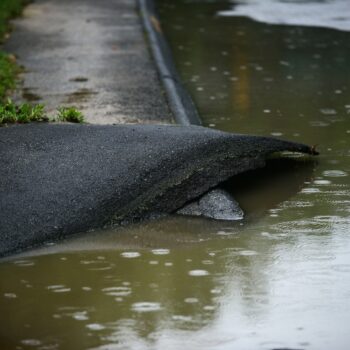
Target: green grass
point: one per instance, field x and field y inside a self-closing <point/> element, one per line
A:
<point x="8" y="73"/>
<point x="70" y="114"/>
<point x="10" y="113"/>
<point x="8" y="10"/>
<point x="8" y="67"/>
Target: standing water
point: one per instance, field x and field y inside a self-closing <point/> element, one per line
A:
<point x="278" y="279"/>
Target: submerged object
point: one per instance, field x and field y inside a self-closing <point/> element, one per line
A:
<point x="57" y="180"/>
<point x="216" y="204"/>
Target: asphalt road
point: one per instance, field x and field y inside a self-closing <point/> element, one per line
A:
<point x="57" y="180"/>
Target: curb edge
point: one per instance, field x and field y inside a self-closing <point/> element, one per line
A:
<point x="180" y="102"/>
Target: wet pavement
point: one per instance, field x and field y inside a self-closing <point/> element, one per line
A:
<point x="91" y="55"/>
<point x="66" y="179"/>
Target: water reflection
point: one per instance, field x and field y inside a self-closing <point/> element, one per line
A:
<point x="316" y="13"/>
<point x="255" y="73"/>
<point x="215" y="291"/>
<point x="284" y="81"/>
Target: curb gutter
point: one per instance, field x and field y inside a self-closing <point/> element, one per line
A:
<point x="180" y="101"/>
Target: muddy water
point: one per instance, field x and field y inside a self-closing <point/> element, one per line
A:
<point x="277" y="279"/>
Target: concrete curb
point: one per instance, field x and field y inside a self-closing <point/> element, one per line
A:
<point x="180" y="101"/>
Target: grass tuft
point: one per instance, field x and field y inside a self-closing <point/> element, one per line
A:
<point x="10" y="113"/>
<point x="70" y="114"/>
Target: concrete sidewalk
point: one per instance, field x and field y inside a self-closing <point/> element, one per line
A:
<point x="89" y="54"/>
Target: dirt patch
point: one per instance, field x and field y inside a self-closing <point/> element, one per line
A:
<point x="79" y="80"/>
<point x="81" y="95"/>
<point x="28" y="95"/>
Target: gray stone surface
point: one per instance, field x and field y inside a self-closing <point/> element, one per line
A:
<point x="57" y="180"/>
<point x="89" y="54"/>
<point x="216" y="204"/>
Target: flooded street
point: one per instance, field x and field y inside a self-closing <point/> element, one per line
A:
<point x="278" y="279"/>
